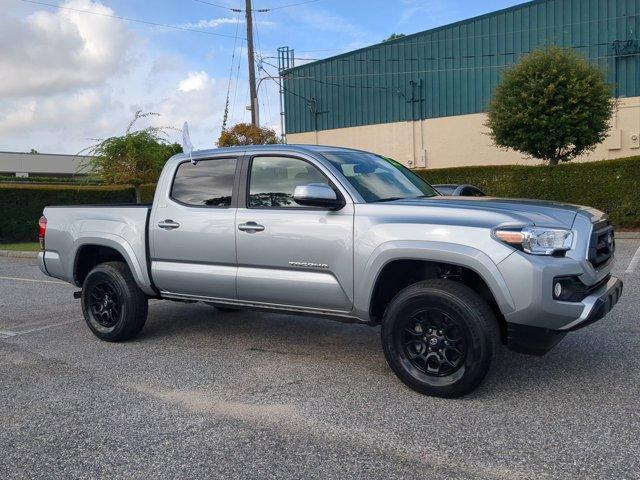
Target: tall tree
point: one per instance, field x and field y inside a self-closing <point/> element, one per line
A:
<point x="135" y="158"/>
<point x="247" y="134"/>
<point x="552" y="105"/>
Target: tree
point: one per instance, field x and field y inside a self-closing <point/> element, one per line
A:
<point x="552" y="105"/>
<point x="247" y="134"/>
<point x="135" y="158"/>
<point x="393" y="36"/>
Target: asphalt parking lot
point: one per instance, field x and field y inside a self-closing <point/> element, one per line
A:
<point x="202" y="393"/>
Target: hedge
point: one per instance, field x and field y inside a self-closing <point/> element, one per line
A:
<point x="612" y="186"/>
<point x="77" y="180"/>
<point x="22" y="205"/>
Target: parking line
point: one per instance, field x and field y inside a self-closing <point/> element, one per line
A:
<point x="634" y="262"/>
<point x="8" y="333"/>
<point x="32" y="280"/>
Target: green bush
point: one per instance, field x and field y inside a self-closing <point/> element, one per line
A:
<point x="77" y="180"/>
<point x="22" y="204"/>
<point x="146" y="192"/>
<point x="612" y="186"/>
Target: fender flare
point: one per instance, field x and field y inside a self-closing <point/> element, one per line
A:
<point x="119" y="244"/>
<point x="443" y="252"/>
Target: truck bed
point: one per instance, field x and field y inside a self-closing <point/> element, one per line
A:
<point x="122" y="227"/>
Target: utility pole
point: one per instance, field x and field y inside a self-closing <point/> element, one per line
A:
<point x="252" y="72"/>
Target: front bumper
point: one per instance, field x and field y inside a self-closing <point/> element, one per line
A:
<point x="598" y="304"/>
<point x="538" y="341"/>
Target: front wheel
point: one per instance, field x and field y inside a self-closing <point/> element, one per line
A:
<point x="439" y="337"/>
<point x="114" y="307"/>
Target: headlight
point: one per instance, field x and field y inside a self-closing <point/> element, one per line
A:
<point x="537" y="240"/>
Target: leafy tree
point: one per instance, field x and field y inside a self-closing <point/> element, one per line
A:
<point x="247" y="134"/>
<point x="552" y="105"/>
<point x="393" y="36"/>
<point x="135" y="158"/>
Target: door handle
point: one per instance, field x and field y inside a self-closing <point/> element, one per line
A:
<point x="250" y="227"/>
<point x="168" y="224"/>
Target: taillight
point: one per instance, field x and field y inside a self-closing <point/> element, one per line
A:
<point x="42" y="229"/>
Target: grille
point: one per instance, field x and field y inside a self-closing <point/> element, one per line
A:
<point x="602" y="244"/>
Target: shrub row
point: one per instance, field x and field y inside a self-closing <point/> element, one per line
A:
<point x="612" y="186"/>
<point x="22" y="204"/>
<point x="77" y="180"/>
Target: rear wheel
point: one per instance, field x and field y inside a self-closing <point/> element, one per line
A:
<point x="439" y="337"/>
<point x="114" y="307"/>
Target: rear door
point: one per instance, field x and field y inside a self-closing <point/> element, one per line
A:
<point x="288" y="254"/>
<point x="192" y="230"/>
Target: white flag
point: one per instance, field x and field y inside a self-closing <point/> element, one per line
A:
<point x="187" y="146"/>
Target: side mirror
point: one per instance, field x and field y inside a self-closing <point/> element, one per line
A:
<point x="317" y="195"/>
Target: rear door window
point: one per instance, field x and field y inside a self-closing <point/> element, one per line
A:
<point x="209" y="183"/>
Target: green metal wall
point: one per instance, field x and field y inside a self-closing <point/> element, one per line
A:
<point x="452" y="70"/>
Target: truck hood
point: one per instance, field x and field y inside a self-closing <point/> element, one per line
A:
<point x="538" y="212"/>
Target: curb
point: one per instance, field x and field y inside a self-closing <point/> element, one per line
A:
<point x="19" y="254"/>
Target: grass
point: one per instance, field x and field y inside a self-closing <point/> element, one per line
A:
<point x="22" y="247"/>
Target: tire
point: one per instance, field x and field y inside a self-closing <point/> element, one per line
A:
<point x="439" y="337"/>
<point x="114" y="307"/>
<point x="222" y="308"/>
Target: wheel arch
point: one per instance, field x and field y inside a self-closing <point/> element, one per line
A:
<point x="428" y="256"/>
<point x="91" y="251"/>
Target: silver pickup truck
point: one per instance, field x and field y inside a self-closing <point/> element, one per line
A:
<point x="347" y="235"/>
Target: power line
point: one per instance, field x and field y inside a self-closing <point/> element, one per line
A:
<point x="224" y="7"/>
<point x="135" y="20"/>
<point x="259" y="10"/>
<point x="260" y="66"/>
<point x="235" y="88"/>
<point x="264" y="10"/>
<point x="233" y="58"/>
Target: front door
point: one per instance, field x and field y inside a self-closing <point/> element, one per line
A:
<point x="288" y="254"/>
<point x="192" y="231"/>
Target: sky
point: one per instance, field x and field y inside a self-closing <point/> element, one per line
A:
<point x="69" y="78"/>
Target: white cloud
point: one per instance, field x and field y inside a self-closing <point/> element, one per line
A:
<point x="67" y="78"/>
<point x="217" y="22"/>
<point x="211" y="23"/>
<point x="194" y="81"/>
<point x="61" y="50"/>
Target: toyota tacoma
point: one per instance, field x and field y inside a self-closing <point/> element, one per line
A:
<point x="347" y="235"/>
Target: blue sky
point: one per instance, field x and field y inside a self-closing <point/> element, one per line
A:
<point x="87" y="74"/>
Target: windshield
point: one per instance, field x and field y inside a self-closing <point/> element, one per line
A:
<point x="379" y="179"/>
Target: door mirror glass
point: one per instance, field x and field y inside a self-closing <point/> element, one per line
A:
<point x="317" y="195"/>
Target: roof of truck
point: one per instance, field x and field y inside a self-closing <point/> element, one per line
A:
<point x="260" y="148"/>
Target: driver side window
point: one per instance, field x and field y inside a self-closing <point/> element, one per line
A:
<point x="273" y="180"/>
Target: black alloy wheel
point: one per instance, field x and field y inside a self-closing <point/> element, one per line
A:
<point x="114" y="307"/>
<point x="104" y="305"/>
<point x="439" y="337"/>
<point x="434" y="342"/>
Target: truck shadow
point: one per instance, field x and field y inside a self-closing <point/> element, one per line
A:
<point x="581" y="361"/>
